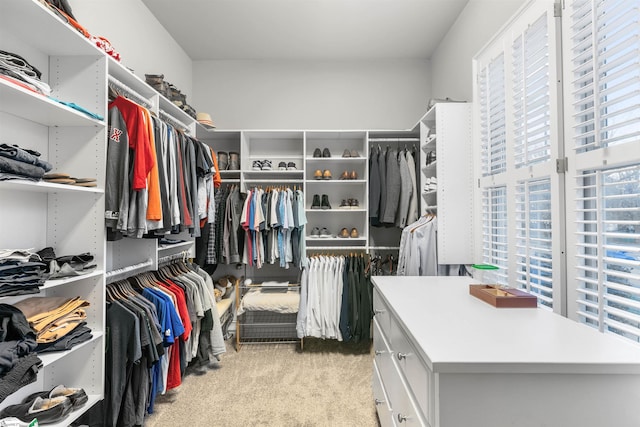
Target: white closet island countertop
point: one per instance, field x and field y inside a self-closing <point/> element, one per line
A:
<point x="456" y="332"/>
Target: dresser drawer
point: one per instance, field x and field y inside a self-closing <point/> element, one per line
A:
<point x="416" y="373"/>
<point x="383" y="358"/>
<point x="380" y="399"/>
<point x="405" y="413"/>
<point x="381" y="312"/>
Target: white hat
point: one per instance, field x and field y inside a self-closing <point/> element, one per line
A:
<point x="205" y="120"/>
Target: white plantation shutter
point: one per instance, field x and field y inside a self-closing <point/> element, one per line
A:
<point x="531" y="95"/>
<point x="534" y="239"/>
<point x="608" y="250"/>
<point x="494" y="226"/>
<point x="605" y="64"/>
<point x="493" y="122"/>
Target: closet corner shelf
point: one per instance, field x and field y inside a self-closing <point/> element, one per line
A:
<point x="60" y="282"/>
<point x="38" y="108"/>
<point x="47" y="187"/>
<point x="167" y="248"/>
<point x="53" y="357"/>
<point x="336" y="181"/>
<point x="430" y="165"/>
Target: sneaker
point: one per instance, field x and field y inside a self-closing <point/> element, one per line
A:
<point x="344" y="204"/>
<point x="266" y="165"/>
<point x="317" y="153"/>
<point x="354" y="204"/>
<point x="315" y="232"/>
<point x="344" y="233"/>
<point x="324" y="232"/>
<point x="326" y="153"/>
<point x="256" y="165"/>
<point x="291" y="166"/>
<point x="282" y="166"/>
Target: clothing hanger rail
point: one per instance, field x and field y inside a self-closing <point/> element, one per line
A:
<point x="173" y="121"/>
<point x="129" y="93"/>
<point x="129" y="270"/>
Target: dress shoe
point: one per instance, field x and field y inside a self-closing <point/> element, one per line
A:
<point x="45" y="410"/>
<point x="317" y="153"/>
<point x="326" y="174"/>
<point x="317" y="174"/>
<point x="346" y="153"/>
<point x="354" y="233"/>
<point x="353" y="175"/>
<point x="326" y="153"/>
<point x="223" y="160"/>
<point x="344" y="233"/>
<point x="325" y="202"/>
<point x="354" y="153"/>
<point x="77" y="396"/>
<point x="345" y="175"/>
<point x="316" y="202"/>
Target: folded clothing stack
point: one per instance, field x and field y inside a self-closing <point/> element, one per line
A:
<point x="171" y="92"/>
<point x="67" y="265"/>
<point x="21" y="163"/>
<point x="52" y="318"/>
<point x="18" y="70"/>
<point x="21" y="272"/>
<point x="65" y="178"/>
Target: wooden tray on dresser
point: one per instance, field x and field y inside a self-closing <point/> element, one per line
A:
<point x="503" y="297"/>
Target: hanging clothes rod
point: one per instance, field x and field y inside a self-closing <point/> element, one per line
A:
<point x="394" y="139"/>
<point x="110" y="275"/>
<point x="173" y="121"/>
<point x="167" y="259"/>
<point x="130" y="93"/>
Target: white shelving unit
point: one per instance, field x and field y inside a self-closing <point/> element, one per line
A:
<point x="34" y="215"/>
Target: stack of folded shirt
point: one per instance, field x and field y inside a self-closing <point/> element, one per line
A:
<point x="21" y="163"/>
<point x="17" y="70"/>
<point x="21" y="272"/>
<point x="64" y="178"/>
<point x="52" y="318"/>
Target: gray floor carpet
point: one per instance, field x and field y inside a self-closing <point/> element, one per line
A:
<point x="326" y="384"/>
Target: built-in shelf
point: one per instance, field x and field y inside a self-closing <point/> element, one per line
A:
<point x="46" y="187"/>
<point x="175" y="246"/>
<point x="52" y="357"/>
<point x="60" y="282"/>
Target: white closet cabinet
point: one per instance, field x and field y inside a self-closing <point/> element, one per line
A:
<point x="34" y="215"/>
<point x="446" y="132"/>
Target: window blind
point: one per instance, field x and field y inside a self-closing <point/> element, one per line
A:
<point x="493" y="120"/>
<point x="605" y="61"/>
<point x="495" y="243"/>
<point x="534" y="239"/>
<point x="608" y="241"/>
<point x="531" y="97"/>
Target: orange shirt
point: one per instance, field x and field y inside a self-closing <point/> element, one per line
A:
<point x="154" y="207"/>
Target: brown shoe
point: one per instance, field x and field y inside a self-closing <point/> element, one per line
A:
<point x="353" y="175"/>
<point x="317" y="174"/>
<point x="326" y="174"/>
<point x="344" y="233"/>
<point x="345" y="175"/>
<point x="354" y="233"/>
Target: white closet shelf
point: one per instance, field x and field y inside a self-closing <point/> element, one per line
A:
<point x="336" y="181"/>
<point x="429" y="193"/>
<point x="47" y="187"/>
<point x="52" y="35"/>
<point x="430" y="165"/>
<point x="333" y="159"/>
<point x="174" y="246"/>
<point x="429" y="144"/>
<point x="53" y="357"/>
<point x="124" y="75"/>
<point x="38" y="108"/>
<point x="60" y="282"/>
<point x="334" y="248"/>
<point x="275" y="171"/>
<point x="337" y="239"/>
<point x="334" y="210"/>
<point x="274" y="181"/>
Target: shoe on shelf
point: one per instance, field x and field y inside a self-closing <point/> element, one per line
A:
<point x="344" y="204"/>
<point x="317" y="153"/>
<point x="344" y="233"/>
<point x="354" y="204"/>
<point x="326" y="174"/>
<point x="45" y="410"/>
<point x="354" y="153"/>
<point x="325" y="202"/>
<point x="282" y="166"/>
<point x="291" y="166"/>
<point x="326" y="152"/>
<point x="315" y="232"/>
<point x="256" y="165"/>
<point x="346" y="153"/>
<point x="234" y="161"/>
<point x="223" y="160"/>
<point x="77" y="396"/>
<point x="354" y="233"/>
<point x="345" y="175"/>
<point x="317" y="174"/>
<point x="316" y="202"/>
<point x="266" y="165"/>
<point x="324" y="232"/>
<point x="353" y="175"/>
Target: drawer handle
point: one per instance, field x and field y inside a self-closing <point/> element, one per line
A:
<point x="379" y="402"/>
<point x="401" y="356"/>
<point x="378" y="352"/>
<point x="402" y="418"/>
<point x="378" y="311"/>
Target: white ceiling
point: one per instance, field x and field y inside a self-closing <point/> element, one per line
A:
<point x="307" y="29"/>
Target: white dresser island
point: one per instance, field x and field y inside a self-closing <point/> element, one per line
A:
<point x="444" y="358"/>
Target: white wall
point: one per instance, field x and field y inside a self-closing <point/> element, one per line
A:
<point x="451" y="62"/>
<point x="260" y="94"/>
<point x="144" y="45"/>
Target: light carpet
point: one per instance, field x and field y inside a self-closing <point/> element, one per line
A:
<point x="326" y="384"/>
